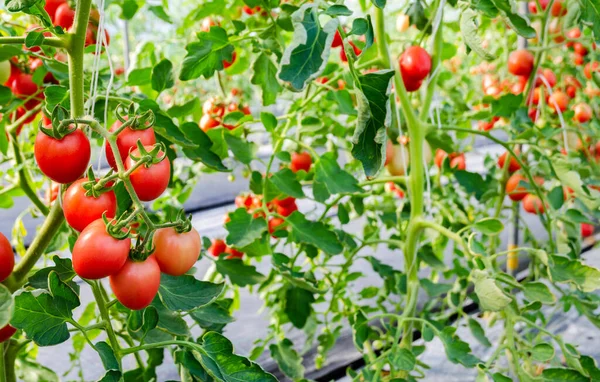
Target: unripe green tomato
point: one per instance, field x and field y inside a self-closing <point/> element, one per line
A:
<point x="231" y="178"/>
<point x="377" y="344"/>
<point x="4" y="71"/>
<point x="415" y="103"/>
<point x="541" y="122"/>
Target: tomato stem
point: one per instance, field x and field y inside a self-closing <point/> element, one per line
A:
<point x="100" y="301"/>
<point x="55" y="42"/>
<point x="25" y="180"/>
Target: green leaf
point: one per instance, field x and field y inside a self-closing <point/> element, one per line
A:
<point x="268" y="120"/>
<point x="63" y="268"/>
<point x="238" y="272"/>
<point x="212" y="314"/>
<point x="242" y="149"/>
<point x="457" y="350"/>
<point x="186" y="293"/>
<point x="542" y="352"/>
<point x="203" y="152"/>
<point x="285" y="180"/>
<point x="162" y="76"/>
<point x="265" y="75"/>
<point x="584" y="277"/>
<point x="34" y="39"/>
<point x="435" y="289"/>
<point x="489" y="226"/>
<point x="330" y="179"/>
<point x="243" y="228"/>
<point x="288" y="360"/>
<point x="168" y="321"/>
<point x="34" y="371"/>
<point x="563" y="375"/>
<point x="403" y="359"/>
<point x="306" y="56"/>
<point x="166" y="128"/>
<point x="314" y="233"/>
<point x="537" y="291"/>
<point x="7" y="306"/>
<point x="338" y="10"/>
<point x="479" y="333"/>
<point x="107" y="355"/>
<point x="416" y="16"/>
<point x="43" y="316"/>
<point x="217" y="358"/>
<point x="468" y="29"/>
<point x="590" y="12"/>
<point x="507" y="105"/>
<point x="369" y="136"/>
<point x="556" y="197"/>
<point x="361" y="331"/>
<point x="159" y="12"/>
<point x="472" y="182"/>
<point x="206" y="56"/>
<point x="191" y="106"/>
<point x="513" y="19"/>
<point x="129" y="9"/>
<point x="55" y="95"/>
<point x="139" y="77"/>
<point x="379" y="3"/>
<point x="9" y="51"/>
<point x="491" y="297"/>
<point x="298" y="305"/>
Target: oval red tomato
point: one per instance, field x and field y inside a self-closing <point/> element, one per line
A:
<point x="583" y="112"/>
<point x="533" y="204"/>
<point x="587" y="230"/>
<point x="176" y="253"/>
<point x="51" y="6"/>
<point x="276" y="224"/>
<point x="218" y="246"/>
<point x="7" y="332"/>
<point x="301" y="161"/>
<point x="7" y="258"/>
<point x="513" y="165"/>
<point x="64" y="16"/>
<point x="136" y="283"/>
<point x="207" y="122"/>
<point x="558" y="101"/>
<point x="64" y="160"/>
<point x="149" y="181"/>
<point x="520" y="62"/>
<point x="513" y="190"/>
<point x="415" y="64"/>
<point x="81" y="210"/>
<point x="127" y="140"/>
<point x="96" y="254"/>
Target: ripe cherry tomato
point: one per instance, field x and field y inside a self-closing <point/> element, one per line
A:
<point x="149" y="182"/>
<point x="589" y="68"/>
<point x="532" y="113"/>
<point x="244" y="201"/>
<point x="286" y="202"/>
<point x="587" y="230"/>
<point x="96" y="254"/>
<point x="520" y="62"/>
<point x="176" y="253"/>
<point x="207" y="122"/>
<point x="81" y="210"/>
<point x="38" y="63"/>
<point x="287" y="210"/>
<point x="583" y="112"/>
<point x="558" y="101"/>
<point x="136" y="283"/>
<point x="250" y="11"/>
<point x="218" y="246"/>
<point x="533" y="204"/>
<point x="51" y="6"/>
<point x="214" y="107"/>
<point x="580" y="49"/>
<point x="64" y="16"/>
<point x="337" y="40"/>
<point x="23" y="86"/>
<point x="415" y="64"/>
<point x="558" y="9"/>
<point x="301" y="161"/>
<point x="7" y="258"/>
<point x="571" y="91"/>
<point x="127" y="140"/>
<point x="227" y="64"/>
<point x="513" y="190"/>
<point x="357" y="52"/>
<point x="513" y="165"/>
<point x="458" y="162"/>
<point x="233" y="253"/>
<point x="91" y="36"/>
<point x="392" y="188"/>
<point x="548" y="76"/>
<point x="7" y="332"/>
<point x="276" y="224"/>
<point x="64" y="160"/>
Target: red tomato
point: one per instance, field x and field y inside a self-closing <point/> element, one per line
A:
<point x="583" y="112"/>
<point x="411" y="85"/>
<point x="415" y="64"/>
<point x="214" y="107"/>
<point x="244" y="201"/>
<point x="533" y="204"/>
<point x="513" y="165"/>
<point x="587" y="230"/>
<point x="227" y="64"/>
<point x="64" y="160"/>
<point x="218" y="246"/>
<point x="23" y="86"/>
<point x="176" y="253"/>
<point x="391" y="187"/>
<point x="285" y="203"/>
<point x="119" y="71"/>
<point x="558" y="101"/>
<point x="548" y="75"/>
<point x="573" y="34"/>
<point x="589" y="68"/>
<point x="458" y="162"/>
<point x="532" y="114"/>
<point x="513" y="190"/>
<point x="337" y="40"/>
<point x="136" y="283"/>
<point x="207" y="122"/>
<point x="250" y="11"/>
<point x="64" y="16"/>
<point x="557" y="9"/>
<point x="38" y="63"/>
<point x="276" y="224"/>
<point x="96" y="254"/>
<point x="7" y="332"/>
<point x="389" y="152"/>
<point x="520" y="62"/>
<point x="287" y="210"/>
<point x="81" y="210"/>
<point x="577" y="59"/>
<point x="580" y="49"/>
<point x="51" y="6"/>
<point x="127" y="141"/>
<point x="149" y="182"/>
<point x="357" y="52"/>
<point x="301" y="161"/>
<point x="91" y="36"/>
<point x="7" y="258"/>
<point x="233" y="253"/>
<point x="52" y="193"/>
<point x="571" y="91"/>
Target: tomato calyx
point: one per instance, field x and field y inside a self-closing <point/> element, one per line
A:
<point x="147" y="158"/>
<point x="118" y="228"/>
<point x="129" y="117"/>
<point x="58" y="131"/>
<point x="95" y="187"/>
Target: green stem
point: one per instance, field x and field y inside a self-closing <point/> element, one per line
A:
<point x="2" y="367"/>
<point x="385" y="179"/>
<point x="112" y="337"/>
<point x="75" y="50"/>
<point x="55" y="42"/>
<point x="436" y="59"/>
<point x="25" y="180"/>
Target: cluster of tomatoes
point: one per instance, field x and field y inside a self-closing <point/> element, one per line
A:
<point x="214" y="110"/>
<point x="63" y="15"/>
<point x="21" y="84"/>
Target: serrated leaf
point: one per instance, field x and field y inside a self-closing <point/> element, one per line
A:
<point x="238" y="272"/>
<point x="563" y="375"/>
<point x="162" y="76"/>
<point x="243" y="150"/>
<point x="584" y="277"/>
<point x="468" y="29"/>
<point x="306" y="56"/>
<point x="206" y="56"/>
<point x="298" y="305"/>
<point x="314" y="233"/>
<point x="537" y="291"/>
<point x="265" y="75"/>
<point x="338" y="10"/>
<point x="491" y="297"/>
<point x="288" y="360"/>
<point x="513" y="19"/>
<point x="332" y="179"/>
<point x="403" y="359"/>
<point x="244" y="229"/>
<point x="478" y="332"/>
<point x="186" y="292"/>
<point x="369" y="136"/>
<point x="7" y="306"/>
<point x="203" y="152"/>
<point x="285" y="180"/>
<point x="457" y="350"/>
<point x="63" y="268"/>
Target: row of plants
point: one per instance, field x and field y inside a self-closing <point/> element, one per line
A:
<point x="382" y="105"/>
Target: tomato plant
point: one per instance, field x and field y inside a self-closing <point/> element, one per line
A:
<point x="383" y="153"/>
